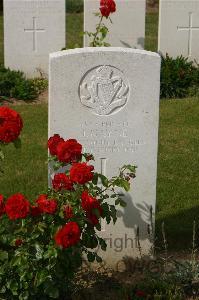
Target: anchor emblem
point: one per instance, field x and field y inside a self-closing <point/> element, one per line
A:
<point x="104" y="91"/>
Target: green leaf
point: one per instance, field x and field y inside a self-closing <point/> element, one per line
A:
<point x="41" y="276"/>
<point x="121" y="202"/>
<point x="131" y="168"/>
<point x="98" y="227"/>
<point x="117" y="201"/>
<point x="90" y="257"/>
<point x="2" y="290"/>
<point x="113" y="196"/>
<point x="103" y="244"/>
<point x="53" y="292"/>
<point x="126" y="185"/>
<point x="3" y="255"/>
<point x="113" y="213"/>
<point x="89" y="240"/>
<point x="95" y="178"/>
<point x="16" y="261"/>
<point x="108" y="219"/>
<point x="96" y="212"/>
<point x="98" y="258"/>
<point x="14" y="287"/>
<point x="17" y="143"/>
<point x="24" y="296"/>
<point x="104" y="180"/>
<point x="39" y="251"/>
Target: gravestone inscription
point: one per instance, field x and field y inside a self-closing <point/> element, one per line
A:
<point x="108" y="99"/>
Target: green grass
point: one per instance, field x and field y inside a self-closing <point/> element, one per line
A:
<point x="178" y="176"/>
<point x="74" y="31"/>
<point x="151" y="40"/>
<point x="26" y="168"/>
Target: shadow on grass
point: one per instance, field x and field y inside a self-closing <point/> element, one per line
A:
<point x="178" y="229"/>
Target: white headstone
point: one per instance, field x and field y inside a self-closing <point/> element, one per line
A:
<point x="108" y="99"/>
<point x="128" y="27"/>
<point x="32" y="30"/>
<point x="179" y="28"/>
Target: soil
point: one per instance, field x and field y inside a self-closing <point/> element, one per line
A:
<point x="101" y="282"/>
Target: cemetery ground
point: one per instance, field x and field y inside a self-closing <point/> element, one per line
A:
<point x="177" y="187"/>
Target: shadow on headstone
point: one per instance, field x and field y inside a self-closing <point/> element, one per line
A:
<point x="136" y="216"/>
<point x="140" y="41"/>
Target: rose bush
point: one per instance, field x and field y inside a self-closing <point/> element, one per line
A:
<point x="42" y="242"/>
<point x="11" y="125"/>
<point x="97" y="38"/>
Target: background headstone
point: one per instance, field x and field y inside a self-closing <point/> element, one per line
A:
<point x="128" y="28"/>
<point x="122" y="130"/>
<point x="179" y="28"/>
<point x="32" y="30"/>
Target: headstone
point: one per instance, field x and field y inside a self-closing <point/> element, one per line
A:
<point x="108" y="99"/>
<point x="32" y="30"/>
<point x="128" y="23"/>
<point x="179" y="28"/>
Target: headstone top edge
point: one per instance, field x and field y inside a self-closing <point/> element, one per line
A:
<point x="102" y="49"/>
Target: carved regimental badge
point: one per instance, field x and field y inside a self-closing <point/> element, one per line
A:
<point x="104" y="90"/>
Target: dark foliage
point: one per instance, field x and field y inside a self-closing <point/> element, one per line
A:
<point x="14" y="84"/>
<point x="74" y="6"/>
<point x="179" y="78"/>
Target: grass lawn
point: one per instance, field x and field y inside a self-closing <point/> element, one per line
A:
<point x="178" y="176"/>
<point x="151" y="40"/>
<point x="74" y="31"/>
<point x="26" y="168"/>
<point x="177" y="190"/>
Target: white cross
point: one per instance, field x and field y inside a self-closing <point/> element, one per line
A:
<point x="190" y="30"/>
<point x="34" y="31"/>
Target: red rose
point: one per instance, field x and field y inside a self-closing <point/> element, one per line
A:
<point x="107" y="7"/>
<point x="18" y="242"/>
<point x="46" y="205"/>
<point x="81" y="173"/>
<point x="69" y="151"/>
<point x="140" y="294"/>
<point x="17" y="207"/>
<point x="90" y="205"/>
<point x="62" y="182"/>
<point x="53" y="142"/>
<point x="2" y="206"/>
<point x="68" y="212"/>
<point x="35" y="211"/>
<point x="68" y="235"/>
<point x="11" y="125"/>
